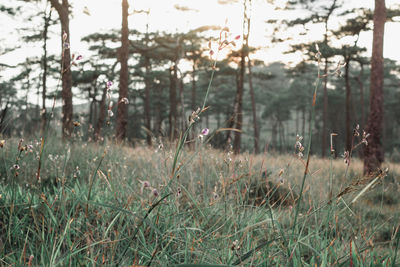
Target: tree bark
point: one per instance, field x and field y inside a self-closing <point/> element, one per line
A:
<point x="253" y="101"/>
<point x="239" y="104"/>
<point x="3" y="116"/>
<point x="44" y="66"/>
<point x="172" y="119"/>
<point x="232" y="118"/>
<point x="193" y="96"/>
<point x="325" y="108"/>
<point x="147" y="114"/>
<point x="253" y="108"/>
<point x="102" y="115"/>
<point x="67" y="107"/>
<point x="325" y="112"/>
<point x="240" y="88"/>
<point x="182" y="104"/>
<point x="122" y="109"/>
<point x="361" y="87"/>
<point x="374" y="154"/>
<point x="349" y="132"/>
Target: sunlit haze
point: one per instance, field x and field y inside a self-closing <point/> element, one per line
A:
<point x="92" y="16"/>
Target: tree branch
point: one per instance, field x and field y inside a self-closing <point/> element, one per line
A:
<point x="57" y="5"/>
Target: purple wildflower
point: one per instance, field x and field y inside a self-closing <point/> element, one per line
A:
<point x="205" y="131"/>
<point x="155" y="192"/>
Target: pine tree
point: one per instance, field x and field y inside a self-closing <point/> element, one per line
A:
<point x="123" y="53"/>
<point x="374" y="154"/>
<point x="67" y="108"/>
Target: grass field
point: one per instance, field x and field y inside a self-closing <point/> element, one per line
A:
<point x="104" y="204"/>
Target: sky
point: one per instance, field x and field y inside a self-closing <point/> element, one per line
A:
<point x="106" y="14"/>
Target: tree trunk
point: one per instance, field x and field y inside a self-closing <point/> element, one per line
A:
<point x="91" y="119"/>
<point x="232" y="118"/>
<point x="194" y="86"/>
<point x="253" y="102"/>
<point x="239" y="104"/>
<point x="303" y="122"/>
<point x="274" y="133"/>
<point x="102" y="115"/>
<point x="349" y="132"/>
<point x="240" y="88"/>
<point x="94" y="104"/>
<point x="44" y="66"/>
<point x="182" y="104"/>
<point x="3" y="116"/>
<point x="254" y="110"/>
<point x="193" y="100"/>
<point x="172" y="103"/>
<point x="147" y="114"/>
<point x="158" y="115"/>
<point x="325" y="108"/>
<point x="325" y="112"/>
<point x="374" y="154"/>
<point x="361" y="86"/>
<point x="122" y="109"/>
<point x="297" y="121"/>
<point x="67" y="107"/>
<point x="362" y="119"/>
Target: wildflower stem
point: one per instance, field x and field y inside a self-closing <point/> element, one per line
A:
<point x="317" y="82"/>
<point x="48" y="119"/>
<point x="209" y="83"/>
<point x="397" y="246"/>
<point x="92" y="180"/>
<point x="186" y="133"/>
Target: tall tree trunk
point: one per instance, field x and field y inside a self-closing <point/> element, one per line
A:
<point x="158" y="115"/>
<point x="193" y="100"/>
<point x="94" y="104"/>
<point x="325" y="112"/>
<point x="274" y="133"/>
<point x="91" y="119"/>
<point x="361" y="87"/>
<point x="67" y="107"/>
<point x="182" y="104"/>
<point x="147" y="109"/>
<point x="218" y="119"/>
<point x="239" y="104"/>
<point x="325" y="108"/>
<point x="3" y="116"/>
<point x="303" y="121"/>
<point x="231" y="119"/>
<point x="297" y="121"/>
<point x="193" y="97"/>
<point x="240" y="88"/>
<point x="374" y="154"/>
<point x="253" y="108"/>
<point x="102" y="115"/>
<point x="47" y="19"/>
<point x="250" y="77"/>
<point x="362" y="119"/>
<point x="147" y="114"/>
<point x="122" y="109"/>
<point x="349" y="132"/>
<point x="172" y="103"/>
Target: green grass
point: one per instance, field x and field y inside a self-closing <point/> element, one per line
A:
<point x="123" y="223"/>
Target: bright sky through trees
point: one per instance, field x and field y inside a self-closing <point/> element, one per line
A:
<point x="90" y="16"/>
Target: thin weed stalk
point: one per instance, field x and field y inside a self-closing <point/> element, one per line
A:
<point x="48" y="119"/>
<point x="397" y="246"/>
<point x="314" y="99"/>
